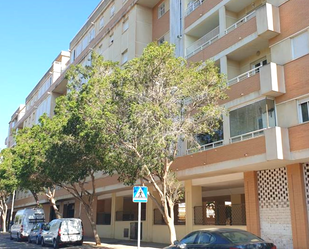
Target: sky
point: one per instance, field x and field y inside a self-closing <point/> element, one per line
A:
<point x="32" y="34"/>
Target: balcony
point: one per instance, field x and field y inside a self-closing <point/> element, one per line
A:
<point x="193" y="5"/>
<point x="241" y="29"/>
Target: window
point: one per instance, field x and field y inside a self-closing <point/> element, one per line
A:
<point x="112" y="10"/>
<point x="304" y="111"/>
<point x="252" y="117"/>
<point x="300" y="45"/>
<point x="102" y="22"/>
<point x="205" y="238"/>
<point x="91" y="34"/>
<point x="124" y="56"/>
<point x="125" y="25"/>
<point x="161" y="40"/>
<point x="189" y="239"/>
<point x="111" y="39"/>
<point x="161" y="10"/>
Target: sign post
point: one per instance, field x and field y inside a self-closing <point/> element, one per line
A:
<point x="140" y="195"/>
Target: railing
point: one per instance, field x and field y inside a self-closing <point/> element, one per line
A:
<point x="213" y="35"/>
<point x="205" y="147"/>
<point x="203" y="42"/>
<point x="193" y="5"/>
<point x="234" y="215"/>
<point x="247" y="136"/>
<point x="103" y="218"/>
<point x="244" y="76"/>
<point x="159" y="220"/>
<point x="130" y="215"/>
<point x="240" y="22"/>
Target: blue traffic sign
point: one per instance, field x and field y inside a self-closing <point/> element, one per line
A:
<point x="140" y="194"/>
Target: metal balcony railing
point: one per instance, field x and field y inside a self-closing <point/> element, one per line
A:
<point x="214" y="35"/>
<point x="234" y="215"/>
<point x="103" y="218"/>
<point x="240" y="22"/>
<point x="247" y="136"/>
<point x="205" y="147"/>
<point x="130" y="215"/>
<point x="193" y="5"/>
<point x="203" y="42"/>
<point x="244" y="76"/>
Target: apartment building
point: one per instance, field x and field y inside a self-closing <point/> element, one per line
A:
<point x="253" y="174"/>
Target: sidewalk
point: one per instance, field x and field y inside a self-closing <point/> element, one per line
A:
<point x="119" y="244"/>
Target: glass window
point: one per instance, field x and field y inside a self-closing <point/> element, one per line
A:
<point x="304" y="110"/>
<point x="112" y="10"/>
<point x="125" y="25"/>
<point x="124" y="58"/>
<point x="161" y="10"/>
<point x="205" y="238"/>
<point x="189" y="239"/>
<point x="300" y="45"/>
<point x="241" y="237"/>
<point x="102" y="22"/>
<point x="252" y="117"/>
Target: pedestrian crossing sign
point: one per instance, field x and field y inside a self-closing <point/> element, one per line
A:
<point x="140" y="194"/>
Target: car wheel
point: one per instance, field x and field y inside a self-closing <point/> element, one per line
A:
<point x="11" y="238"/>
<point x="79" y="243"/>
<point x="37" y="240"/>
<point x="55" y="244"/>
<point x="18" y="237"/>
<point x="29" y="239"/>
<point x="42" y="242"/>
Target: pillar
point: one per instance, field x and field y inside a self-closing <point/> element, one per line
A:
<point x="113" y="215"/>
<point x="193" y="198"/>
<point x="222" y="20"/>
<point x="149" y="217"/>
<point x="299" y="215"/>
<point x="252" y="203"/>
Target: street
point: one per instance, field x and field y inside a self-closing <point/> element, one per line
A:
<point x="6" y="243"/>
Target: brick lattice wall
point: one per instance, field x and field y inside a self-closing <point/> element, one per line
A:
<point x="306" y="176"/>
<point x="275" y="216"/>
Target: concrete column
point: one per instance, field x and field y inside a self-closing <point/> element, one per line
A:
<point x="193" y="198"/>
<point x="149" y="217"/>
<point x="222" y="20"/>
<point x="252" y="203"/>
<point x="299" y="215"/>
<point x="237" y="212"/>
<point x="113" y="215"/>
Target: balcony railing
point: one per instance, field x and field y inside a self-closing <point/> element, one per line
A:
<point x="130" y="215"/>
<point x="240" y="22"/>
<point x="205" y="147"/>
<point x="193" y="5"/>
<point x="244" y="76"/>
<point x="247" y="136"/>
<point x="103" y="218"/>
<point x="234" y="215"/>
<point x="203" y="42"/>
<point x="214" y="35"/>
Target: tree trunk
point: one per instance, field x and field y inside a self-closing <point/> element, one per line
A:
<point x="51" y="197"/>
<point x="89" y="213"/>
<point x="36" y="198"/>
<point x="4" y="214"/>
<point x="171" y="228"/>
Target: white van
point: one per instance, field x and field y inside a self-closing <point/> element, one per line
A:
<point x="24" y="221"/>
<point x="63" y="231"/>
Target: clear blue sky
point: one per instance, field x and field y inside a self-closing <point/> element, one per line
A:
<point x="33" y="32"/>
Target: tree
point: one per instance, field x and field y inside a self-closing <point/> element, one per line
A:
<point x="30" y="161"/>
<point x="82" y="146"/>
<point x="161" y="100"/>
<point x="8" y="182"/>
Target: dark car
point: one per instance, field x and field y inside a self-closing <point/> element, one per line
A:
<point x="36" y="233"/>
<point x="222" y="238"/>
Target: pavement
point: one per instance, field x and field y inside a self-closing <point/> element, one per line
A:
<point x="128" y="244"/>
<point x="6" y="243"/>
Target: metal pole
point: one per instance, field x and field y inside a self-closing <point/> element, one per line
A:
<point x="139" y="226"/>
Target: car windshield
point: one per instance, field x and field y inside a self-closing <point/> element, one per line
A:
<point x="241" y="237"/>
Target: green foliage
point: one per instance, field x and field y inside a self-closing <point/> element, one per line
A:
<point x="8" y="181"/>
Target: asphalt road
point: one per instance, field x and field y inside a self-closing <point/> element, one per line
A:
<point x="6" y="243"/>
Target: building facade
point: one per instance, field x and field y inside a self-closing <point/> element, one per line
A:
<point x="254" y="173"/>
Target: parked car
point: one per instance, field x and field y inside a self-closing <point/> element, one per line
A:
<point x="24" y="221"/>
<point x="221" y="238"/>
<point x="36" y="233"/>
<point x="64" y="231"/>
